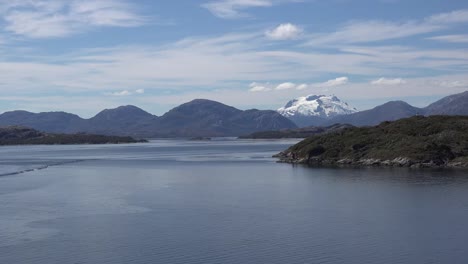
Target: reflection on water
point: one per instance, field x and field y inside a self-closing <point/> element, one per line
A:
<point x="221" y="202"/>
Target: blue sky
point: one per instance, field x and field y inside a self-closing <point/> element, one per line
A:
<point x="82" y="56"/>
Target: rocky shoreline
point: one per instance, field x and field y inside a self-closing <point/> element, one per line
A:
<point x="402" y="162"/>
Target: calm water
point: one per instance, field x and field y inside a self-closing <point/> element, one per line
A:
<point x="221" y="202"/>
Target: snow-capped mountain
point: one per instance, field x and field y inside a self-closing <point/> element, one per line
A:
<point x="314" y="109"/>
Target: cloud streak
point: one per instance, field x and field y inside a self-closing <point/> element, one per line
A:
<point x="385" y="81"/>
<point x="59" y="18"/>
<point x="451" y="38"/>
<point x="235" y="9"/>
<point x="377" y="30"/>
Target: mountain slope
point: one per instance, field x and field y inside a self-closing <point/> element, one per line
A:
<point x="54" y="122"/>
<point x="314" y="110"/>
<point x="123" y="120"/>
<point x="390" y="111"/>
<point x="456" y="104"/>
<point x="209" y="118"/>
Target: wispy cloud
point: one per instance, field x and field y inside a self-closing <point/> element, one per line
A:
<point x="451" y="38"/>
<point x="335" y="82"/>
<point x="122" y="93"/>
<point x="457" y="16"/>
<point x="385" y="81"/>
<point x="233" y="9"/>
<point x="58" y="18"/>
<point x="284" y="32"/>
<point x="377" y="30"/>
<point x="127" y="92"/>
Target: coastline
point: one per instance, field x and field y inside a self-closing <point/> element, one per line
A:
<point x="399" y="162"/>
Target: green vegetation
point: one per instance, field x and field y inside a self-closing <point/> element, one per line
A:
<point x="16" y="135"/>
<point x="435" y="141"/>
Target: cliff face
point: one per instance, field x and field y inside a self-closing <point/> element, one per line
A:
<point x="436" y="141"/>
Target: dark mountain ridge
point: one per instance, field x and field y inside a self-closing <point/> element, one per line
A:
<point x="390" y="111"/>
<point x="456" y="104"/>
<point x="199" y="117"/>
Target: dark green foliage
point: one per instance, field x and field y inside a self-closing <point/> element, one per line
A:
<point x="436" y="139"/>
<point x="296" y="133"/>
<point x="15" y="135"/>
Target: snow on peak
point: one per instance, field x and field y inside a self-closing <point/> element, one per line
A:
<point x="325" y="106"/>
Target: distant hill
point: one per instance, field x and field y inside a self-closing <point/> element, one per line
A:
<point x="123" y="120"/>
<point x="209" y="118"/>
<point x="16" y="135"/>
<point x="435" y="141"/>
<point x="54" y="122"/>
<point x="193" y="119"/>
<point x="296" y="133"/>
<point x="387" y="112"/>
<point x="456" y="104"/>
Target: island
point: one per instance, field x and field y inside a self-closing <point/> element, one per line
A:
<point x="435" y="142"/>
<point x="17" y="135"/>
<point x="304" y="132"/>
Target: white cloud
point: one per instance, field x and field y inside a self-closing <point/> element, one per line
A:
<point x="302" y="86"/>
<point x="385" y="81"/>
<point x="335" y="82"/>
<point x="127" y="92"/>
<point x="284" y="32"/>
<point x="58" y="18"/>
<point x="255" y="87"/>
<point x="286" y="86"/>
<point x="451" y="38"/>
<point x="122" y="93"/>
<point x="233" y="8"/>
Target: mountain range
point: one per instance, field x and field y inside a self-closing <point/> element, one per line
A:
<point x="196" y="118"/>
<point x="451" y="105"/>
<point x="205" y="118"/>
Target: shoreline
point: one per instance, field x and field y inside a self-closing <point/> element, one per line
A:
<point x="399" y="162"/>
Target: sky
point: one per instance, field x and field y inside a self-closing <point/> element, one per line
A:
<point x="82" y="56"/>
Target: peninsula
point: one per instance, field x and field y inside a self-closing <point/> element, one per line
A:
<point x="435" y="141"/>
